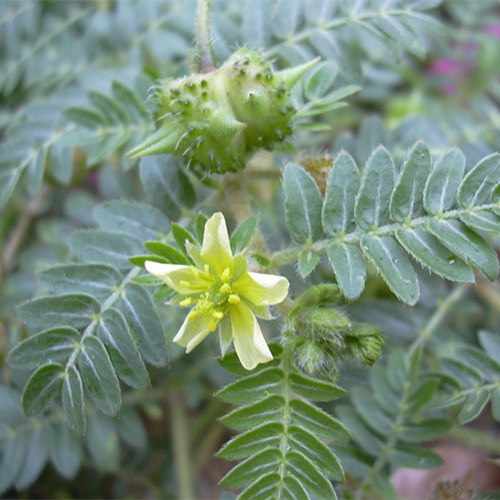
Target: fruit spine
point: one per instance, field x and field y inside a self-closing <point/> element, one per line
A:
<point x="213" y="119"/>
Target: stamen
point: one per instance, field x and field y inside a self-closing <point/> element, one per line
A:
<point x="206" y="268"/>
<point x="225" y="288"/>
<point x="193" y="314"/>
<point x="212" y="325"/>
<point x="234" y="299"/>
<point x="186" y="302"/>
<point x="218" y="314"/>
<point x="225" y="274"/>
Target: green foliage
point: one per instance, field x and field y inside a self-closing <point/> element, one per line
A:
<point x="370" y="187"/>
<point x="106" y="333"/>
<point x="286" y="439"/>
<point x="374" y="217"/>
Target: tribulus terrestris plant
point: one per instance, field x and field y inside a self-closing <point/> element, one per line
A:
<point x="277" y="248"/>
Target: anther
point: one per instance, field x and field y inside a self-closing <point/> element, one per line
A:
<point x="234" y="299"/>
<point x="186" y="302"/>
<point x="225" y="288"/>
<point x="225" y="274"/>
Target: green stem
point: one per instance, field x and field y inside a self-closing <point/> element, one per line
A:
<point x="287" y="367"/>
<point x="443" y="308"/>
<point x="291" y="255"/>
<point x="204" y="48"/>
<point x="180" y="438"/>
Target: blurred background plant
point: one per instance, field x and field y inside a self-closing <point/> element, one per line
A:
<point x="74" y="99"/>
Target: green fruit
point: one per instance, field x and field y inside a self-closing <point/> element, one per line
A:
<point x="213" y="119"/>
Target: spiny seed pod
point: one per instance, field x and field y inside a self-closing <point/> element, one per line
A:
<point x="213" y="119"/>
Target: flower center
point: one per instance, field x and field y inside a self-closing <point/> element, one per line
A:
<point x="215" y="302"/>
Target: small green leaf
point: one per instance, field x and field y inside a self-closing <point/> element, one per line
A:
<point x="490" y="343"/>
<point x="475" y="358"/>
<point x="14" y="451"/>
<point x="104" y="246"/>
<point x="317" y="421"/>
<point x="370" y="441"/>
<point x="181" y="236"/>
<point x="393" y="266"/>
<point x="140" y="314"/>
<point x="253" y="387"/>
<point x="293" y="488"/>
<point x="420" y="396"/>
<point x="201" y="220"/>
<point x="102" y="442"/>
<point x="55" y="345"/>
<point x="99" y="376"/>
<point x="341" y="190"/>
<point x="372" y="202"/>
<point x="310" y="476"/>
<point x="479" y="183"/>
<point x="349" y="268"/>
<point x="482" y="220"/>
<point x="442" y="185"/>
<point x="72" y="400"/>
<point x="135" y="219"/>
<point x="243" y="234"/>
<point x="265" y="487"/>
<point x="92" y="279"/>
<point x="467" y="376"/>
<point x="140" y="260"/>
<point x="407" y="197"/>
<point x="115" y="334"/>
<point x="171" y="254"/>
<point x="88" y="118"/>
<point x="42" y="388"/>
<point x="302" y="204"/>
<point x="266" y="410"/>
<point x="473" y="405"/>
<point x="36" y="456"/>
<point x="466" y="244"/>
<point x="370" y="411"/>
<point x="424" y="431"/>
<point x="427" y="250"/>
<point x="66" y="452"/>
<point x="252" y="469"/>
<point x="74" y="310"/>
<point x="252" y="441"/>
<point x="310" y="446"/>
<point x="307" y="263"/>
<point x="314" y="389"/>
<point x="405" y="455"/>
<point x="320" y="79"/>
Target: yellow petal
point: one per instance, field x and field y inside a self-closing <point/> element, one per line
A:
<point x="193" y="331"/>
<point x="262" y="289"/>
<point x="249" y="342"/>
<point x="183" y="279"/>
<point x="216" y="249"/>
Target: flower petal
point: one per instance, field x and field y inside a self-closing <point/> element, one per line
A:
<point x="249" y="342"/>
<point x="193" y="331"/>
<point x="185" y="280"/>
<point x="262" y="289"/>
<point x="216" y="249"/>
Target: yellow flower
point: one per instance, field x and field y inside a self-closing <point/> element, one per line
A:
<point x="225" y="293"/>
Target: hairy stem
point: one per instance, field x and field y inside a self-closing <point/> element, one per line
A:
<point x="290" y="255"/>
<point x="204" y="48"/>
